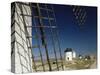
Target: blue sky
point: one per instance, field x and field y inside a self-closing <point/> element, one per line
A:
<point x="82" y="40"/>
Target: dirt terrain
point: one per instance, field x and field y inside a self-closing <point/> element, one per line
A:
<point x="73" y="65"/>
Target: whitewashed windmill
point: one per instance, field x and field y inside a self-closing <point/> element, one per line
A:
<point x="69" y="54"/>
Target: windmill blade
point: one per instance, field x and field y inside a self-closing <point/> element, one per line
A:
<point x="80" y="15"/>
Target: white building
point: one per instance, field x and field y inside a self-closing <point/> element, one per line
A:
<point x="69" y="54"/>
<point x="21" y="55"/>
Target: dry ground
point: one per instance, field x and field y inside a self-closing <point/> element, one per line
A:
<point x="73" y="65"/>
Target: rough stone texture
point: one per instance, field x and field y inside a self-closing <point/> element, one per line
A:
<point x="21" y="55"/>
